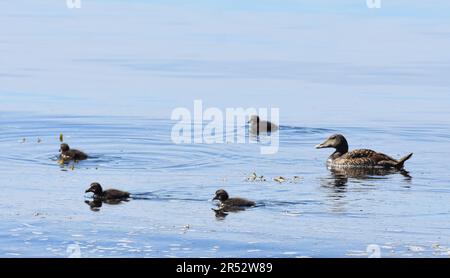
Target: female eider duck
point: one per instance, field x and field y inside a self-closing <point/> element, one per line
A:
<point x="359" y="158"/>
<point x="228" y="203"/>
<point x="68" y="154"/>
<point x="257" y="126"/>
<point x="106" y="195"/>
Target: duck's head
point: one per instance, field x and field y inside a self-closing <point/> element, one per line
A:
<point x="221" y="195"/>
<point x="336" y="141"/>
<point x="254" y="119"/>
<point x="64" y="148"/>
<point x="95" y="188"/>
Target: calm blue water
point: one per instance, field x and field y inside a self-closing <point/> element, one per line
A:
<point x="108" y="76"/>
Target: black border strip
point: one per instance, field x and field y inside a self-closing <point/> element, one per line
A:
<point x="235" y="266"/>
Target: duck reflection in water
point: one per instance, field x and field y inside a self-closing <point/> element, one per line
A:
<point x="96" y="203"/>
<point x="341" y="175"/>
<point x="336" y="183"/>
<point x="222" y="213"/>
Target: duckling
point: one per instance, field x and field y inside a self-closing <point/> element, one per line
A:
<point x="107" y="195"/>
<point x="359" y="158"/>
<point x="231" y="204"/>
<point x="68" y="154"/>
<point x="257" y="126"/>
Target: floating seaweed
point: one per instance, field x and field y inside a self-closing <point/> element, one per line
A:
<point x="280" y="179"/>
<point x="254" y="177"/>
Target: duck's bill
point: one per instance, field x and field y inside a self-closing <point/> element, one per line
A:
<point x="323" y="145"/>
<point x="215" y="198"/>
<point x="87" y="191"/>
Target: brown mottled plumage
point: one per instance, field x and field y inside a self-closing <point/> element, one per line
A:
<point x="358" y="158"/>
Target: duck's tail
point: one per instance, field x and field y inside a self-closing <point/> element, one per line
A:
<point x="402" y="161"/>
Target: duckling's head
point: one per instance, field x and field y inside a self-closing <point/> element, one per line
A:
<point x="336" y="141"/>
<point x="221" y="195"/>
<point x="254" y="119"/>
<point x="95" y="188"/>
<point x="64" y="148"/>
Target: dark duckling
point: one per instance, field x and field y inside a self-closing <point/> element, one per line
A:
<point x="68" y="154"/>
<point x="359" y="158"/>
<point x="257" y="126"/>
<point x="107" y="195"/>
<point x="232" y="204"/>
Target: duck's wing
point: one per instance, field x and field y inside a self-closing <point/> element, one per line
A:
<point x="79" y="155"/>
<point x="365" y="153"/>
<point x="239" y="202"/>
<point x="365" y="157"/>
<point x="116" y="194"/>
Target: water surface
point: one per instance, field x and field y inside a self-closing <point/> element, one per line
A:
<point x="108" y="76"/>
